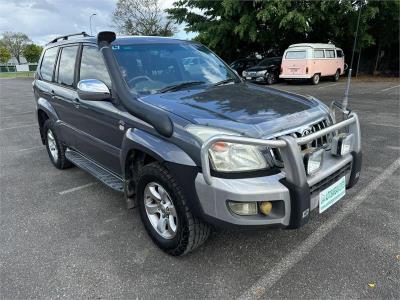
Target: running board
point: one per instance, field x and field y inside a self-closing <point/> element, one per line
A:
<point x="105" y="176"/>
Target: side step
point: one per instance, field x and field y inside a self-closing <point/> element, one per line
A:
<point x="105" y="176"/>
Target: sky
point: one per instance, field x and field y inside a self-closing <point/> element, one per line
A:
<point x="42" y="20"/>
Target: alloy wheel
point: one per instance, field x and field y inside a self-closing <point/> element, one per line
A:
<point x="51" y="143"/>
<point x="160" y="210"/>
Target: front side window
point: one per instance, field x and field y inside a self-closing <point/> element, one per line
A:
<point x="296" y="54"/>
<point x="319" y="54"/>
<point x="339" y="53"/>
<point x="92" y="66"/>
<point x="330" y="53"/>
<point x="48" y="62"/>
<point x="66" y="66"/>
<point x="149" y="68"/>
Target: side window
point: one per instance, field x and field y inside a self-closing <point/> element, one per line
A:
<point x="66" y="65"/>
<point x="318" y="53"/>
<point x="330" y="53"/>
<point x="47" y="67"/>
<point x="92" y="66"/>
<point x="339" y="53"/>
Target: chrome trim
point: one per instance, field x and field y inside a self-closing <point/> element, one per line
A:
<point x="281" y="142"/>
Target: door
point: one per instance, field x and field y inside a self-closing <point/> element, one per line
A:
<point x="98" y="121"/>
<point x="331" y="62"/>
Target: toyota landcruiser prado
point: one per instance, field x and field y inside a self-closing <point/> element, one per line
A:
<point x="170" y="125"/>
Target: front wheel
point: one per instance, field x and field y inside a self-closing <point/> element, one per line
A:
<point x="165" y="214"/>
<point x="271" y="79"/>
<point x="315" y="79"/>
<point x="336" y="76"/>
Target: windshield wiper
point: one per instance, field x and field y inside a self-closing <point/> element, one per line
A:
<point x="178" y="86"/>
<point x="225" y="81"/>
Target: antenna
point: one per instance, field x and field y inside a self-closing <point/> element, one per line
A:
<point x="346" y="92"/>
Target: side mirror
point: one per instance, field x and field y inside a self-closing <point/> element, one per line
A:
<point x="93" y="89"/>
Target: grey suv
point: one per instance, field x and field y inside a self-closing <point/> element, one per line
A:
<point x="170" y="125"/>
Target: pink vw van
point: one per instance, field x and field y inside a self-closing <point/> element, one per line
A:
<point x="312" y="61"/>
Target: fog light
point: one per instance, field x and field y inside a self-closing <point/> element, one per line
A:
<point x="313" y="160"/>
<point x="341" y="144"/>
<point x="243" y="208"/>
<point x="265" y="207"/>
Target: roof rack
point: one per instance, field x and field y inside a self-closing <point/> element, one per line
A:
<point x="65" y="37"/>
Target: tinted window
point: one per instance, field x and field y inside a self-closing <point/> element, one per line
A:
<point x="93" y="67"/>
<point x="47" y="67"/>
<point x="319" y="54"/>
<point x="330" y="53"/>
<point x="339" y="53"/>
<point x="66" y="67"/>
<point x="296" y="54"/>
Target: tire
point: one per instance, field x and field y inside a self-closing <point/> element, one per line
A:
<point x="315" y="79"/>
<point x="55" y="149"/>
<point x="189" y="233"/>
<point x="336" y="76"/>
<point x="271" y="79"/>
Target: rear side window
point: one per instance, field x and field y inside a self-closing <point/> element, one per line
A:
<point x="47" y="67"/>
<point x="319" y="54"/>
<point x="92" y="66"/>
<point x="330" y="53"/>
<point x="339" y="53"/>
<point x="295" y="54"/>
<point x="66" y="67"/>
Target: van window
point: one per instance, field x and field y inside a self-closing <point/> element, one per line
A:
<point x="339" y="53"/>
<point x="47" y="67"/>
<point x="66" y="65"/>
<point x="295" y="54"/>
<point x="92" y="66"/>
<point x="330" y="53"/>
<point x="319" y="53"/>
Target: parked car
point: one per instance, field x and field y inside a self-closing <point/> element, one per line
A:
<point x="192" y="148"/>
<point x="266" y="71"/>
<point x="244" y="63"/>
<point x="311" y="62"/>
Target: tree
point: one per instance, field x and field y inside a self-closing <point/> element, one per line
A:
<point x="32" y="53"/>
<point x="15" y="43"/>
<point x="235" y="29"/>
<point x="4" y="55"/>
<point x="142" y="17"/>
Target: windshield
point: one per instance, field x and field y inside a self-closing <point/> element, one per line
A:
<point x="149" y="68"/>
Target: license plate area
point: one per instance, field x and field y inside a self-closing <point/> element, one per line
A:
<point x="332" y="194"/>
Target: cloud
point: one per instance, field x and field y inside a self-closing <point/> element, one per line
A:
<point x="42" y="20"/>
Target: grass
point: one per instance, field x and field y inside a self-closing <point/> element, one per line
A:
<point x="16" y="74"/>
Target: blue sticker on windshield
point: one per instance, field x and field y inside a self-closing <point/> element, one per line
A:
<point x="115" y="47"/>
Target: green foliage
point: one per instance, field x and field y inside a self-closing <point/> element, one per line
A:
<point x="234" y="28"/>
<point x="15" y="43"/>
<point x="4" y="55"/>
<point x="32" y="53"/>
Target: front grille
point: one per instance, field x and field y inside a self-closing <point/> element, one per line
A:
<point x="322" y="142"/>
<point x="324" y="183"/>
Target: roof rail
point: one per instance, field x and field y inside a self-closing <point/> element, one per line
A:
<point x="65" y="37"/>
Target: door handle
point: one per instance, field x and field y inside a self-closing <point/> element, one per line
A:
<point x="76" y="102"/>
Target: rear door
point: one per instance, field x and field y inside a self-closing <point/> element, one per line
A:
<point x="295" y="62"/>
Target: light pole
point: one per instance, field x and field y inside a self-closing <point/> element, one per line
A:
<point x="90" y="22"/>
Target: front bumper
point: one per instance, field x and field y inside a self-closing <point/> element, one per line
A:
<point x="294" y="193"/>
<point x="256" y="78"/>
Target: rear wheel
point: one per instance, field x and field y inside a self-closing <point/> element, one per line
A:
<point x="336" y="76"/>
<point x="315" y="79"/>
<point x="55" y="149"/>
<point x="271" y="78"/>
<point x="165" y="214"/>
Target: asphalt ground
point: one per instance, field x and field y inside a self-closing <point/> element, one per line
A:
<point x="64" y="235"/>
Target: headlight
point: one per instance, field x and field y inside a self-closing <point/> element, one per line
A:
<point x="244" y="73"/>
<point x="261" y="73"/>
<point x="232" y="157"/>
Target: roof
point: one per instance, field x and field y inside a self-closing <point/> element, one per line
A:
<point x="121" y="40"/>
<point x="313" y="45"/>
